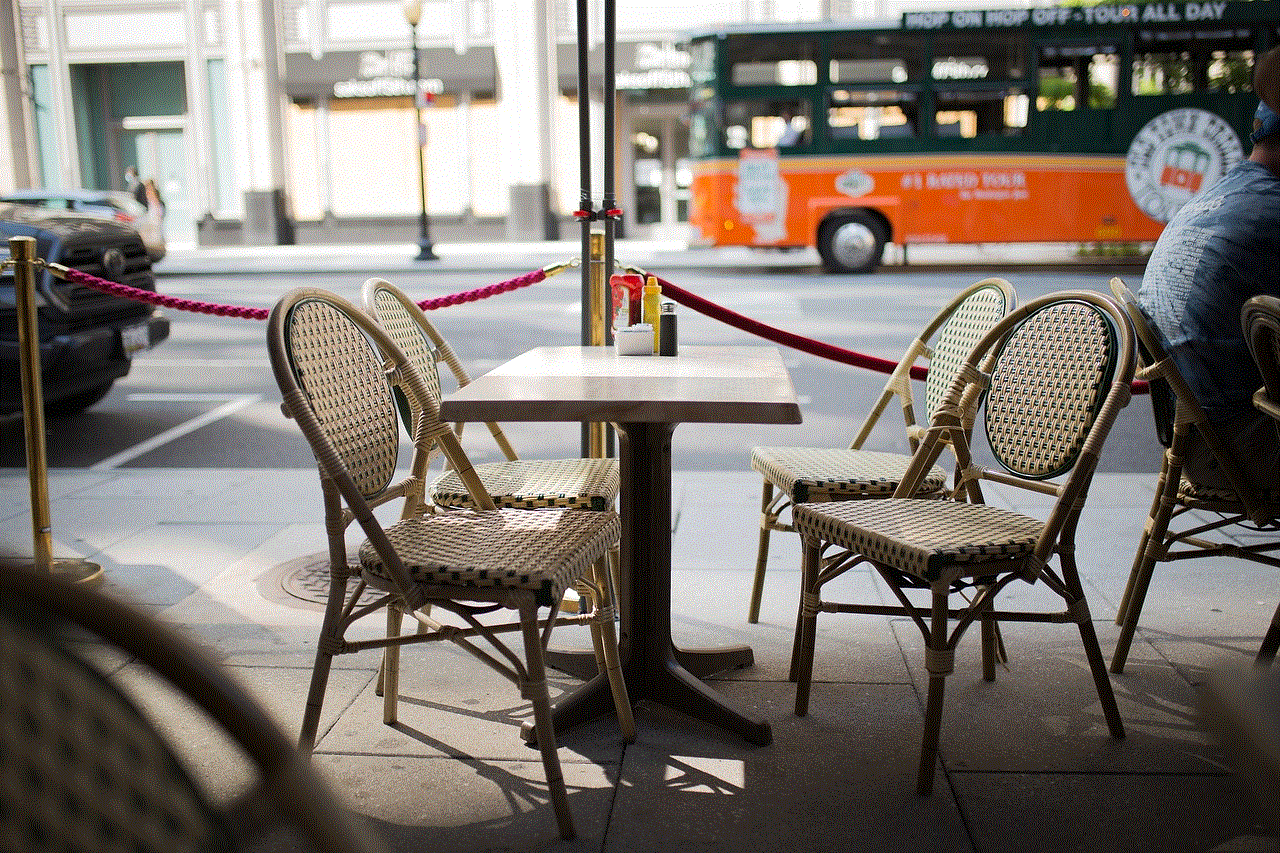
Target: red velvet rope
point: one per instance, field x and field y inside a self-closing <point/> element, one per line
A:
<point x="137" y="294"/>
<point x="679" y="294"/>
<point x="780" y="336"/>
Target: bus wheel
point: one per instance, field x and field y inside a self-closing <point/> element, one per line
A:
<point x="851" y="242"/>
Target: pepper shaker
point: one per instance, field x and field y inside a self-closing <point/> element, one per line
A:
<point x="667" y="329"/>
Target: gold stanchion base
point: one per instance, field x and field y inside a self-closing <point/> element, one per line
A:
<point x="71" y="569"/>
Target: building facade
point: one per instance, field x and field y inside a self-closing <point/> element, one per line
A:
<point x="278" y="121"/>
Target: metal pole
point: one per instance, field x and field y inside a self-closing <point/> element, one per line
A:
<point x="23" y="252"/>
<point x="426" y="252"/>
<point x="609" y="204"/>
<point x="586" y="212"/>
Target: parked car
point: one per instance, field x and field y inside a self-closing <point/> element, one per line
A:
<point x="107" y="204"/>
<point x="87" y="337"/>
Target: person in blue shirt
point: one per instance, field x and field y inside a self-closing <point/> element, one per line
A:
<point x="1220" y="249"/>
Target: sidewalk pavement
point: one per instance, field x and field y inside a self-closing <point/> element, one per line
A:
<point x="229" y="556"/>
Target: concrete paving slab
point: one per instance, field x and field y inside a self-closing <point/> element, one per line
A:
<point x="1013" y="813"/>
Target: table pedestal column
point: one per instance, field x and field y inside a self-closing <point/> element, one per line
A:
<point x="654" y="669"/>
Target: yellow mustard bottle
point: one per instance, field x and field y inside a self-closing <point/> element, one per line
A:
<point x="652" y="306"/>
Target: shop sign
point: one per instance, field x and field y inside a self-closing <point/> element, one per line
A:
<point x="657" y="66"/>
<point x="382" y="74"/>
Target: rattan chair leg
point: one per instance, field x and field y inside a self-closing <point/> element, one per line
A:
<point x="806" y="625"/>
<point x="1270" y="643"/>
<point x="390" y="675"/>
<point x="1123" y="609"/>
<point x="936" y="643"/>
<point x="535" y="690"/>
<point x="604" y="636"/>
<point x="315" y="698"/>
<point x="1140" y="580"/>
<point x="988" y="632"/>
<point x="762" y="555"/>
<point x="330" y="635"/>
<point x="1098" y="666"/>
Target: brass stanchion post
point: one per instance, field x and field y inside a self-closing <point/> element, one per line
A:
<point x="598" y="431"/>
<point x="23" y="252"/>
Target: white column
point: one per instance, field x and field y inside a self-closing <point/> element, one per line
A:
<point x="15" y="122"/>
<point x="255" y="100"/>
<point x="60" y="94"/>
<point x="524" y="43"/>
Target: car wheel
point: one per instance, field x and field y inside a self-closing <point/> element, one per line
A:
<point x="851" y="242"/>
<point x="77" y="403"/>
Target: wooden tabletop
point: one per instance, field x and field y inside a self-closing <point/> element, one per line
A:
<point x="703" y="384"/>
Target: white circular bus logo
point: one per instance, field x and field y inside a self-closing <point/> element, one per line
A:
<point x="1176" y="155"/>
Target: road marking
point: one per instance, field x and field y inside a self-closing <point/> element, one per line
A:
<point x="180" y="430"/>
<point x="171" y="363"/>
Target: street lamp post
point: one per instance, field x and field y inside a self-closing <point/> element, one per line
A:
<point x="426" y="252"/>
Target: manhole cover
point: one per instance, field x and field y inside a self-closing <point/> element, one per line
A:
<point x="307" y="579"/>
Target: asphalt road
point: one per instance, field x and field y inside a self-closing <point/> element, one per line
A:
<point x="206" y="398"/>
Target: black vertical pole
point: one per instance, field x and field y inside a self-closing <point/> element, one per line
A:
<point x="610" y="203"/>
<point x="585" y="210"/>
<point x="426" y="251"/>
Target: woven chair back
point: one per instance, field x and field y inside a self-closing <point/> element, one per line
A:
<point x="1188" y="414"/>
<point x="978" y="309"/>
<point x="1047" y="387"/>
<point x="85" y="769"/>
<point x="1260" y="320"/>
<point x="344" y="381"/>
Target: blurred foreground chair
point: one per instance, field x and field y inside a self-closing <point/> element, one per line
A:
<point x="800" y="475"/>
<point x="1261" y="321"/>
<point x="84" y="770"/>
<point x="1185" y="515"/>
<point x="1053" y="375"/>
<point x="332" y="363"/>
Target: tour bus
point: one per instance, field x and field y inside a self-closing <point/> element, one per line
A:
<point x="1089" y="124"/>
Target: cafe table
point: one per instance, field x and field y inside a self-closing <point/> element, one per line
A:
<point x="645" y="398"/>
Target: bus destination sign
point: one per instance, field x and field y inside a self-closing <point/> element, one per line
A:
<point x="1128" y="13"/>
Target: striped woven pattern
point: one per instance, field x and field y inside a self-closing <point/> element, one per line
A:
<point x="404" y="331"/>
<point x="80" y="769"/>
<point x="350" y="396"/>
<point x="1040" y="405"/>
<point x="931" y="540"/>
<point x="1190" y="492"/>
<point x="820" y="474"/>
<point x="972" y="319"/>
<point x="509" y="549"/>
<point x="587" y="484"/>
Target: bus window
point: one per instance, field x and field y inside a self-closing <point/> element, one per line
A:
<point x="876" y="58"/>
<point x="979" y="56"/>
<point x="969" y="113"/>
<point x="1172" y="62"/>
<point x="766" y="124"/>
<point x="858" y="114"/>
<point x="1073" y="76"/>
<point x="770" y="62"/>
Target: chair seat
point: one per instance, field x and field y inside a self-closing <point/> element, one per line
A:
<point x="590" y="484"/>
<point x="498" y="549"/>
<point x="1191" y="493"/>
<point x="931" y="540"/>
<point x="811" y="474"/>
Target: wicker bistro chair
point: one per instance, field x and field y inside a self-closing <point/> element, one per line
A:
<point x="1261" y="321"/>
<point x="1186" y="520"/>
<point x="528" y="484"/>
<point x="469" y="563"/>
<point x="799" y="475"/>
<point x="84" y="769"/>
<point x="1054" y="373"/>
